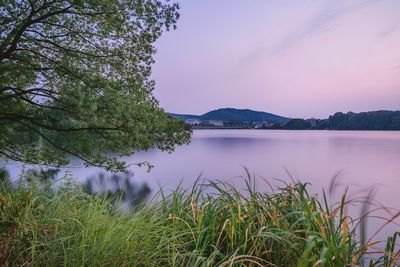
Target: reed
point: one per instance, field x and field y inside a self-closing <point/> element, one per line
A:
<point x="209" y="225"/>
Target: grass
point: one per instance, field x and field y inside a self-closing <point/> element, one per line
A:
<point x="213" y="225"/>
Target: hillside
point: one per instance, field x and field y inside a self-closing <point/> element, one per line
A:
<point x="235" y="115"/>
<point x="231" y="114"/>
<point x="184" y="116"/>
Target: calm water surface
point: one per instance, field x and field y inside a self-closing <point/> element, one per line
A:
<point x="361" y="159"/>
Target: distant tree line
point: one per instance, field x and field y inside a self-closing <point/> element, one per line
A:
<point x="373" y="120"/>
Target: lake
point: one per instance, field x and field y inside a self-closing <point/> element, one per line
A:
<point x="361" y="159"/>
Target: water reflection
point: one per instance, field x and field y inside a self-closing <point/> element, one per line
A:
<point x="232" y="141"/>
<point x="120" y="188"/>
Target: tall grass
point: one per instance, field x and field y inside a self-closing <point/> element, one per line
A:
<point x="212" y="225"/>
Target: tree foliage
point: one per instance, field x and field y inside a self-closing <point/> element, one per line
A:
<point x="372" y="120"/>
<point x="297" y="124"/>
<point x="75" y="80"/>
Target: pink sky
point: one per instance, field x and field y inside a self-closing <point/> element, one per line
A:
<point x="298" y="58"/>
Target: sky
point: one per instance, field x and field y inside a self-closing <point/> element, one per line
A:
<point x="296" y="58"/>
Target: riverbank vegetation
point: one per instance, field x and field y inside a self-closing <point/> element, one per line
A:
<point x="210" y="225"/>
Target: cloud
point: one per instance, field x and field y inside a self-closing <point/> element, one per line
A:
<point x="319" y="23"/>
<point x="389" y="30"/>
<point x="332" y="11"/>
<point x="396" y="68"/>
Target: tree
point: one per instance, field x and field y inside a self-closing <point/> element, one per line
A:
<point x="75" y="81"/>
<point x="372" y="120"/>
<point x="297" y="124"/>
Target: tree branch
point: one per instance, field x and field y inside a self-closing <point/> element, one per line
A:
<point x="20" y="118"/>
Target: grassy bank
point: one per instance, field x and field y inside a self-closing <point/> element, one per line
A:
<point x="286" y="227"/>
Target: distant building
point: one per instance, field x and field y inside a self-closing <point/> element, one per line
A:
<point x="312" y="122"/>
<point x="216" y="123"/>
<point x="264" y="124"/>
<point x="259" y="125"/>
<point x="193" y="121"/>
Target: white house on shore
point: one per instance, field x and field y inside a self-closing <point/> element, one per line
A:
<point x="264" y="124"/>
<point x="216" y="123"/>
<point x="193" y="121"/>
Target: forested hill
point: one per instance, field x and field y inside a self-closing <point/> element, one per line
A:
<point x="235" y="115"/>
<point x="371" y="120"/>
<point x="184" y="116"/>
